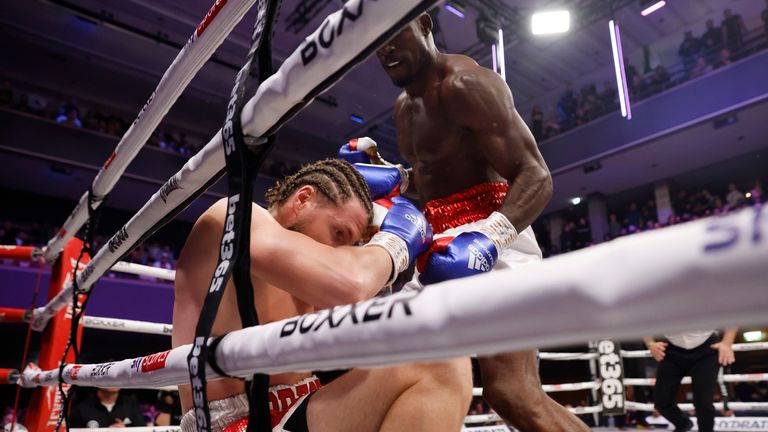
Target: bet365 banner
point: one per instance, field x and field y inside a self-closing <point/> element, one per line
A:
<point x="611" y="372"/>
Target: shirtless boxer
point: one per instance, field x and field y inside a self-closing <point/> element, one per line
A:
<point x="302" y="260"/>
<point x="482" y="180"/>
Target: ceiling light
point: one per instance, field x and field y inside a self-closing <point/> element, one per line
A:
<point x="455" y="8"/>
<point x="653" y="8"/>
<point x="576" y="201"/>
<point x="551" y="22"/>
<point x="753" y="336"/>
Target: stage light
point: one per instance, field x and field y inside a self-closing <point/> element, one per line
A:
<point x="754" y="336"/>
<point x="550" y="22"/>
<point x="576" y="201"/>
<point x="653" y="8"/>
<point x="357" y="119"/>
<point x="455" y="8"/>
<point x="618" y="65"/>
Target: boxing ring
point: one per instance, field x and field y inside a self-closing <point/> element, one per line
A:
<point x="624" y="289"/>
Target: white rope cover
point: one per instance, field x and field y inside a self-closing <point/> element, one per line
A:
<point x="752" y="346"/>
<point x="493" y="417"/>
<point x="735" y="406"/>
<point x="276" y="100"/>
<point x="754" y="377"/>
<point x="116" y="324"/>
<point x="566" y="356"/>
<point x="585" y="295"/>
<point x="553" y="388"/>
<point x="216" y="25"/>
<point x="494" y="428"/>
<point x="144" y="270"/>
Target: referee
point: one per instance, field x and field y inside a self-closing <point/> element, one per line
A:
<point x="695" y="353"/>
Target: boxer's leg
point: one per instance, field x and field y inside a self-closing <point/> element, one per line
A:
<point x="512" y="387"/>
<point x="417" y="397"/>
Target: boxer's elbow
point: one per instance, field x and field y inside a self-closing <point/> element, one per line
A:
<point x="545" y="180"/>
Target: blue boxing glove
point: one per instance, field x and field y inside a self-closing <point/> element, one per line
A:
<point x="361" y="150"/>
<point x="404" y="234"/>
<point x="383" y="181"/>
<point x="467" y="254"/>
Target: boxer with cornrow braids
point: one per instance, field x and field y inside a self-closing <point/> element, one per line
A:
<point x="303" y="260"/>
<point x="336" y="179"/>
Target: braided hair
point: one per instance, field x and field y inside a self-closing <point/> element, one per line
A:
<point x="335" y="179"/>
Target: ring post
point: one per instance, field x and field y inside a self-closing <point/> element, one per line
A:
<point x="46" y="404"/>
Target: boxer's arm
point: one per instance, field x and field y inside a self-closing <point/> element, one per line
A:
<point x="317" y="274"/>
<point x="482" y="102"/>
<point x="320" y="275"/>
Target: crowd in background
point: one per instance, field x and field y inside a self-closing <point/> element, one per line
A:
<point x="72" y="112"/>
<point x="149" y="408"/>
<point x="716" y="47"/>
<point x="152" y="254"/>
<point x="687" y="205"/>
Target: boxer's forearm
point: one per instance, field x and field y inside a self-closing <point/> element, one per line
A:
<point x="528" y="195"/>
<point x="326" y="276"/>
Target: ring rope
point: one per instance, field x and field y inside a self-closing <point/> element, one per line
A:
<point x="448" y="320"/>
<point x="274" y="103"/>
<point x="216" y="25"/>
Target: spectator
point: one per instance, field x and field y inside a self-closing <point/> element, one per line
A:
<point x="733" y="31"/>
<point x="633" y="216"/>
<point x="614" y="227"/>
<point x="70" y="117"/>
<point x="711" y="41"/>
<point x="688" y="51"/>
<point x="551" y="127"/>
<point x="695" y="353"/>
<point x="724" y="58"/>
<point x="583" y="233"/>
<point x="537" y="123"/>
<point x="608" y="96"/>
<point x="639" y="89"/>
<point x="701" y="68"/>
<point x="630" y="71"/>
<point x="107" y="408"/>
<point x="659" y="79"/>
<point x="169" y="408"/>
<point x="567" y="106"/>
<point x="567" y="237"/>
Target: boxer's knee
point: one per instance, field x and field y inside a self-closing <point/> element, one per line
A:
<point x="453" y="377"/>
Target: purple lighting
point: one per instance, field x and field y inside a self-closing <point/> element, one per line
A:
<point x="452" y="9"/>
<point x="653" y="8"/>
<point x="618" y="64"/>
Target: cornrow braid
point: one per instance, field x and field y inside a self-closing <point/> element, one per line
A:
<point x="335" y="179"/>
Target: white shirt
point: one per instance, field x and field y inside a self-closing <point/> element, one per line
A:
<point x="689" y="340"/>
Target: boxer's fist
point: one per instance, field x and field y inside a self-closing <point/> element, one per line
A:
<point x="364" y="151"/>
<point x="467" y="254"/>
<point x="361" y="150"/>
<point x="472" y="252"/>
<point x="383" y="181"/>
<point x="404" y="234"/>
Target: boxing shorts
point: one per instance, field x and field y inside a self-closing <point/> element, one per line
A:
<point x="461" y="212"/>
<point x="287" y="407"/>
